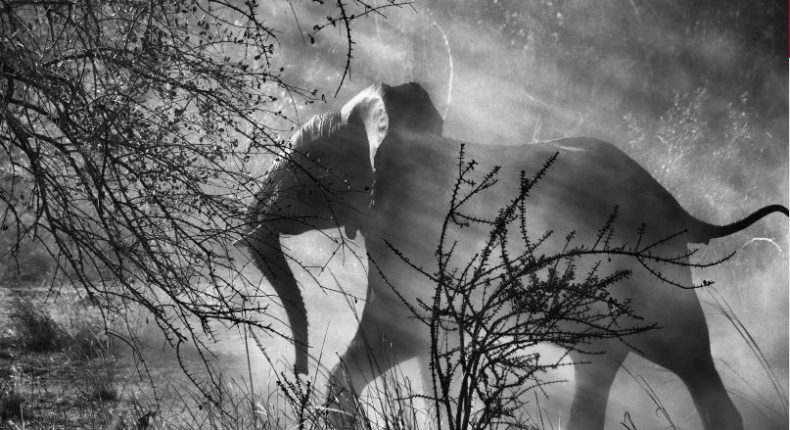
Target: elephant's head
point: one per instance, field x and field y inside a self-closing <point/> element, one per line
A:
<point x="324" y="182"/>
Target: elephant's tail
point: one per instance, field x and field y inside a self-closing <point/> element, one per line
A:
<point x="710" y="231"/>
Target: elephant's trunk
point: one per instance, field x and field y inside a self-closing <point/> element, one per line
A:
<point x="270" y="258"/>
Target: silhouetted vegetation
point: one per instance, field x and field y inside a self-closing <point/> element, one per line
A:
<point x="126" y="132"/>
<point x="132" y="135"/>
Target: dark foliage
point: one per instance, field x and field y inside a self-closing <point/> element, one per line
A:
<point x="126" y="129"/>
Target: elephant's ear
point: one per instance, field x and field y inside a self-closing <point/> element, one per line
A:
<point x="383" y="108"/>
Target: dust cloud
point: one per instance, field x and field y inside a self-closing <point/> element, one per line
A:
<point x="697" y="94"/>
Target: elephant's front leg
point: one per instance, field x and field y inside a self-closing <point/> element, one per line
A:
<point x="387" y="335"/>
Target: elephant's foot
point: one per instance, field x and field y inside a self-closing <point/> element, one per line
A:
<point x="341" y="406"/>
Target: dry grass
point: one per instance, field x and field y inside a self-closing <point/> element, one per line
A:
<point x="70" y="375"/>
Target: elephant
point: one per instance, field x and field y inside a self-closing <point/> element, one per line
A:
<point x="381" y="167"/>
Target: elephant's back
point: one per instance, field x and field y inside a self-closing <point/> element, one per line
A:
<point x="586" y="181"/>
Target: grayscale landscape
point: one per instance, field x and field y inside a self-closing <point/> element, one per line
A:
<point x="184" y="245"/>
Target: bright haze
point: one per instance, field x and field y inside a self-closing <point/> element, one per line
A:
<point x="696" y="92"/>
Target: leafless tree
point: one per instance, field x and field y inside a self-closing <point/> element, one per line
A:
<point x="489" y="312"/>
<point x="126" y="130"/>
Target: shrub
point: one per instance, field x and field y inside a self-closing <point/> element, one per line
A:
<point x="10" y="400"/>
<point x="35" y="328"/>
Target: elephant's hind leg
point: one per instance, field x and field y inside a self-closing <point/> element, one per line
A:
<point x="682" y="345"/>
<point x="696" y="369"/>
<point x="594" y="377"/>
